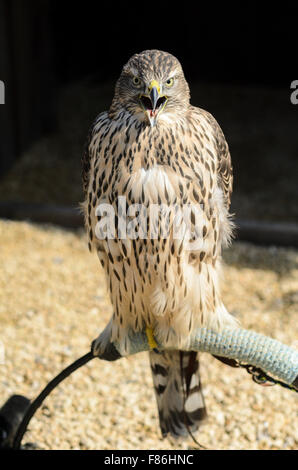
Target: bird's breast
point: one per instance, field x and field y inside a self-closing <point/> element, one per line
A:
<point x="154" y="185"/>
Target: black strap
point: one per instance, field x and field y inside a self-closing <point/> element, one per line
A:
<point x="227" y="361"/>
<point x="258" y="375"/>
<point x="45" y="392"/>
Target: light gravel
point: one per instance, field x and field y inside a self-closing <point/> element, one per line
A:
<point x="53" y="303"/>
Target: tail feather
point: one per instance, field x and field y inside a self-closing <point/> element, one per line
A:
<point x="178" y="391"/>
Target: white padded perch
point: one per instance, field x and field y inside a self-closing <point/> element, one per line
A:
<point x="242" y="345"/>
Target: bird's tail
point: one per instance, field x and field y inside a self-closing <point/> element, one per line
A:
<point x="178" y="391"/>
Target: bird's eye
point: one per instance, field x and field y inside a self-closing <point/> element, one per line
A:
<point x="136" y="81"/>
<point x="170" y="82"/>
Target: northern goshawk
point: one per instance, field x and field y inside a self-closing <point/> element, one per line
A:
<point x="159" y="169"/>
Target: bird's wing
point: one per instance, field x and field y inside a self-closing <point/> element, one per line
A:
<point x="93" y="166"/>
<point x="95" y="130"/>
<point x="225" y="168"/>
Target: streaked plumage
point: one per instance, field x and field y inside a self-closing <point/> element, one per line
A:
<point x="176" y="157"/>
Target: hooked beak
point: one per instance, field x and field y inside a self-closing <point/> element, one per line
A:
<point x="153" y="102"/>
<point x="154" y="95"/>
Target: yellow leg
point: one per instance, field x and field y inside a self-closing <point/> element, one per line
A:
<point x="150" y="338"/>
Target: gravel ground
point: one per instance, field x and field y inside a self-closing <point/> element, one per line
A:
<point x="53" y="303"/>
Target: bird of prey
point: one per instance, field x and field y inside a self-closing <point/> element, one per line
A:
<point x="153" y="149"/>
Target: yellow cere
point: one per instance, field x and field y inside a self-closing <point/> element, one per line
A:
<point x="155" y="84"/>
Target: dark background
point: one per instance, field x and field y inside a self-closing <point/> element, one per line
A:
<point x="59" y="61"/>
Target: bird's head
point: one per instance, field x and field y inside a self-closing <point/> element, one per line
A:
<point x="152" y="86"/>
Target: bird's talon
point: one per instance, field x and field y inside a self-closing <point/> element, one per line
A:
<point x="109" y="353"/>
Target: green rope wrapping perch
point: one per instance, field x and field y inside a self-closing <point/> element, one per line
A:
<point x="239" y="344"/>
